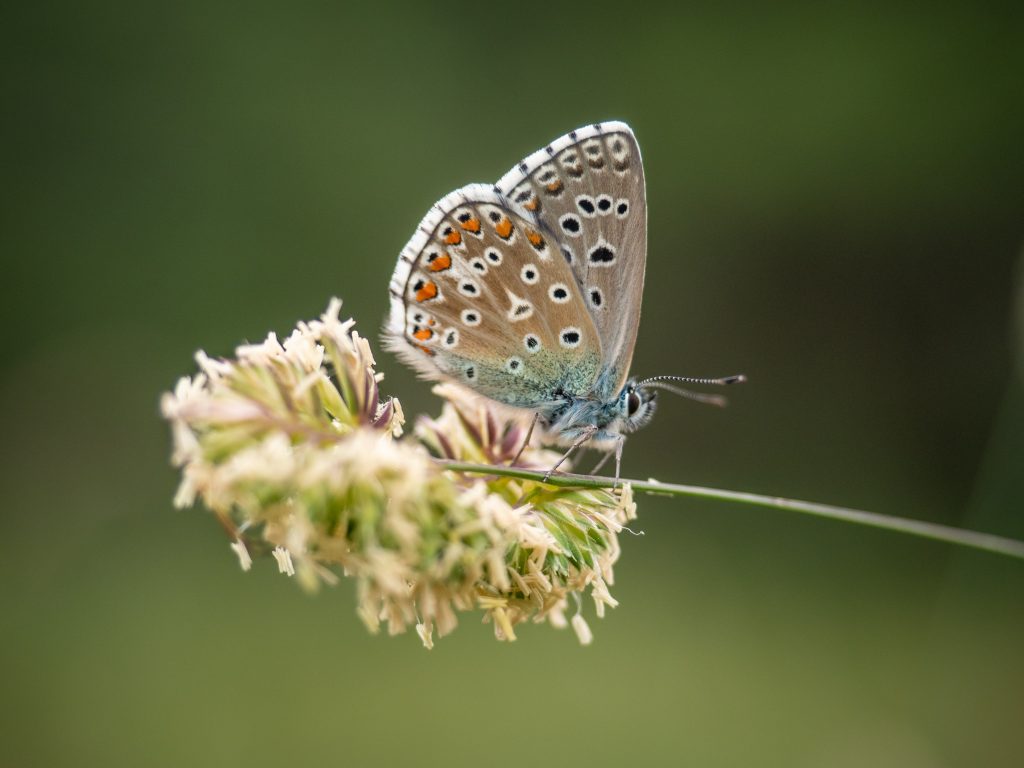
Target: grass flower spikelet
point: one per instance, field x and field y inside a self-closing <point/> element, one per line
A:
<point x="291" y="445"/>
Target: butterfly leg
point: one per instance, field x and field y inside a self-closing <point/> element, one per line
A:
<point x="588" y="433"/>
<point x="620" y="442"/>
<point x="526" y="442"/>
<point x="602" y="462"/>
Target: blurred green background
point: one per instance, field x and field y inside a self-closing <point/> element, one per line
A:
<point x="836" y="209"/>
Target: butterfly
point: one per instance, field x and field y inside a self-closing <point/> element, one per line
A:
<point x="528" y="291"/>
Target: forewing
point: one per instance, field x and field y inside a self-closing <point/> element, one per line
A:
<point x="483" y="296"/>
<point x="587" y="188"/>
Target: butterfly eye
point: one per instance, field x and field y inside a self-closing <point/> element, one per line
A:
<point x="633" y="403"/>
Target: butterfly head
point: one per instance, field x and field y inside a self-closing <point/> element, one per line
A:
<point x="638" y="397"/>
<point x="637" y="401"/>
<point x="638" y="405"/>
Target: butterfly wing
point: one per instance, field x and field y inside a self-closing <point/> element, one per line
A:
<point x="482" y="295"/>
<point x="587" y="188"/>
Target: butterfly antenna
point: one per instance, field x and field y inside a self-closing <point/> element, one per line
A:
<point x="661" y="382"/>
<point x="725" y="380"/>
<point x="700" y="397"/>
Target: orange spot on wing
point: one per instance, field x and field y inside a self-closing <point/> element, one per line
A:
<point x="535" y="239"/>
<point x="471" y="225"/>
<point x="422" y="334"/>
<point x="426" y="292"/>
<point x="440" y="262"/>
<point x="555" y="186"/>
<point x="532" y="205"/>
<point x="453" y="238"/>
<point x="504" y="228"/>
<point x="427" y="350"/>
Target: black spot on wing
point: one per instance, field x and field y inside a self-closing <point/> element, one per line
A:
<point x="601" y="254"/>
